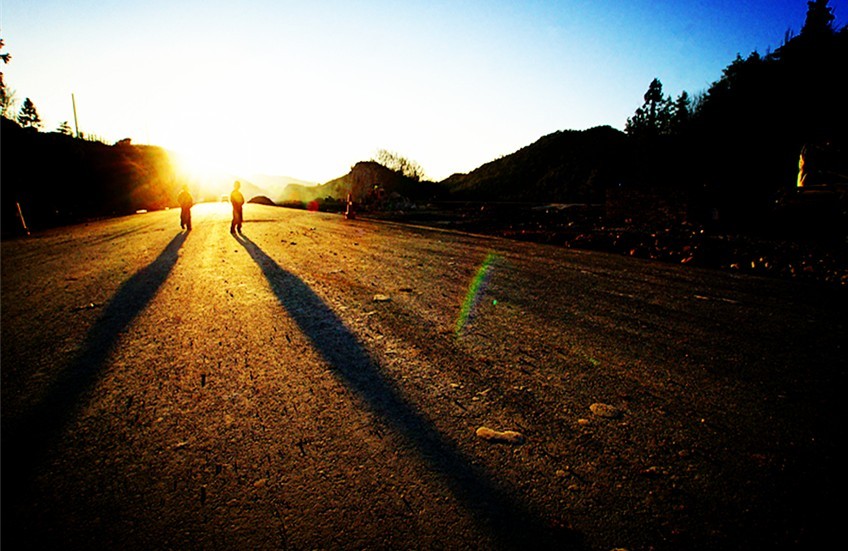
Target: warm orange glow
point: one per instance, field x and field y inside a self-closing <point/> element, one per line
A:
<point x="201" y="171"/>
<point x="193" y="167"/>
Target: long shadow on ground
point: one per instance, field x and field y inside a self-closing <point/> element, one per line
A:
<point x="513" y="525"/>
<point x="27" y="441"/>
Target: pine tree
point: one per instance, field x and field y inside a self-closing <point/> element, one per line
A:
<point x="28" y="116"/>
<point x="653" y="118"/>
<point x="6" y="97"/>
<point x="64" y="128"/>
<point x="819" y="19"/>
<point x="681" y="112"/>
<point x="5" y="58"/>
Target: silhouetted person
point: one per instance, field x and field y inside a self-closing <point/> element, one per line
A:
<point x="186" y="201"/>
<point x="237" y="200"/>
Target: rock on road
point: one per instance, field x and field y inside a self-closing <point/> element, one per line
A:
<point x="319" y="384"/>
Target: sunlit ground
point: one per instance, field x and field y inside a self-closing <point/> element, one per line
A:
<point x="205" y="209"/>
<point x="212" y="208"/>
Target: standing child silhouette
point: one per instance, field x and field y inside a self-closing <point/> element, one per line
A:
<point x="237" y="200"/>
<point x="186" y="201"/>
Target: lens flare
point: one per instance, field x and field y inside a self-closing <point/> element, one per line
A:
<point x="475" y="290"/>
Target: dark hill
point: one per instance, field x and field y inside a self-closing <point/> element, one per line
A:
<point x="58" y="179"/>
<point x="568" y="166"/>
<point x="262" y="200"/>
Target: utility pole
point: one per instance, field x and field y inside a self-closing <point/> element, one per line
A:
<point x="21" y="217"/>
<point x="76" y="123"/>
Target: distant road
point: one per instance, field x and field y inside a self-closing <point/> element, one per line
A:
<point x="317" y="383"/>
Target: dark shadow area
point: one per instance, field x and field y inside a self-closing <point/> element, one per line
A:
<point x="500" y="514"/>
<point x="108" y="180"/>
<point x="27" y="441"/>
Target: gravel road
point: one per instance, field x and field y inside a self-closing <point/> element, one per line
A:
<point x="318" y="383"/>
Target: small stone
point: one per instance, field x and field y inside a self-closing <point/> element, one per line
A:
<point x="605" y="410"/>
<point x="652" y="471"/>
<point x="500" y="437"/>
<point x="382" y="298"/>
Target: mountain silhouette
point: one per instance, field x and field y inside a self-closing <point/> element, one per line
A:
<point x="569" y="166"/>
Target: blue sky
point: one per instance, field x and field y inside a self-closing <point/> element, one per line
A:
<point x="306" y="89"/>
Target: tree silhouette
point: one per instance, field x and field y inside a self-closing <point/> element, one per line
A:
<point x="64" y="128"/>
<point x="819" y="19"/>
<point x="8" y="99"/>
<point x="653" y="118"/>
<point x="401" y="164"/>
<point x="28" y="116"/>
<point x="5" y="95"/>
<point x="6" y="58"/>
<point x="680" y="113"/>
<point x="745" y="132"/>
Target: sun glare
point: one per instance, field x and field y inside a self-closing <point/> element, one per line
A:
<point x="195" y="164"/>
<point x="203" y="172"/>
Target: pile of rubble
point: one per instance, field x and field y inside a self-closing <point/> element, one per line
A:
<point x="581" y="227"/>
<point x="793" y="259"/>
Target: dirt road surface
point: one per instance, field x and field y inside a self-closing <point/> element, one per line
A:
<point x="318" y="383"/>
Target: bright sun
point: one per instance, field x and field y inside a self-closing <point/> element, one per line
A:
<point x="194" y="164"/>
<point x="203" y="172"/>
